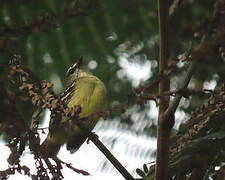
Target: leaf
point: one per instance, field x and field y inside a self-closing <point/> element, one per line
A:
<point x="140" y="172"/>
<point x="145" y="168"/>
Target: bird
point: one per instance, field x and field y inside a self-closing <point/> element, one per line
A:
<point x="82" y="89"/>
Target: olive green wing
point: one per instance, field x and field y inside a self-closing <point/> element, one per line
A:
<point x="90" y="95"/>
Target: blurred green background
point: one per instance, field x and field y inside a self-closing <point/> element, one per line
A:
<point x="111" y="36"/>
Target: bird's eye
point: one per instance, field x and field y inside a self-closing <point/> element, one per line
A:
<point x="71" y="70"/>
<point x="74" y="67"/>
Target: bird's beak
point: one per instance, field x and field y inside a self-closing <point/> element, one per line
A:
<point x="80" y="62"/>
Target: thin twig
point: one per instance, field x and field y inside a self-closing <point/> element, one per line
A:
<point x="69" y="165"/>
<point x="173" y="106"/>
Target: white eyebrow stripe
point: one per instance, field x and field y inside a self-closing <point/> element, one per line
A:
<point x="70" y="68"/>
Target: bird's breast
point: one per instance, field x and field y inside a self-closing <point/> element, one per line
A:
<point x="90" y="94"/>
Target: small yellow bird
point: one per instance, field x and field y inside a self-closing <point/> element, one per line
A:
<point x="87" y="91"/>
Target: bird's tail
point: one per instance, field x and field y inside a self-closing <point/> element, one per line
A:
<point x="50" y="147"/>
<point x="75" y="142"/>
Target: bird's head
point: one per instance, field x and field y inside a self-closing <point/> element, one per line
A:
<point x="75" y="71"/>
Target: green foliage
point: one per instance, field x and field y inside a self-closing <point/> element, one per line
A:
<point x="51" y="35"/>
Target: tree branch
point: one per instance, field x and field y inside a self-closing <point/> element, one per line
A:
<point x="173" y="106"/>
<point x="58" y="109"/>
<point x="110" y="157"/>
<point x="162" y="153"/>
